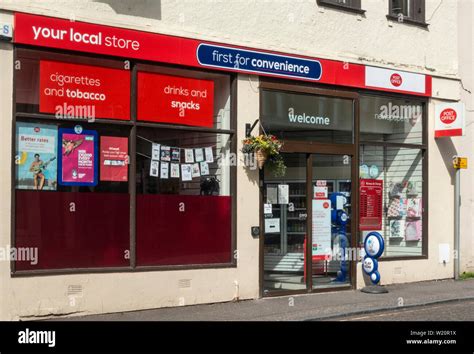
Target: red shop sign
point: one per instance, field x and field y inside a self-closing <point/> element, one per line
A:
<point x="370" y="204"/>
<point x="174" y="99"/>
<point x="72" y="90"/>
<point x="125" y="43"/>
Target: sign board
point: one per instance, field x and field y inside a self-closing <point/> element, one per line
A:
<point x="321" y="243"/>
<point x="320" y="192"/>
<point x="449" y="119"/>
<point x="86" y="37"/>
<point x="258" y="62"/>
<point x="395" y="80"/>
<point x="84" y="91"/>
<point x="370" y="204"/>
<point x="460" y="163"/>
<point x="174" y="99"/>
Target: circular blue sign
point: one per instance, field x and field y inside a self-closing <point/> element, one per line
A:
<point x="375" y="277"/>
<point x="370" y="265"/>
<point x="374" y="244"/>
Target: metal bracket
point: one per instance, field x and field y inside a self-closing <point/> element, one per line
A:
<point x="249" y="128"/>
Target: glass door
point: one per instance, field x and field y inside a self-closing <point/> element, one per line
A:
<point x="301" y="253"/>
<point x="285" y="224"/>
<point x="331" y="249"/>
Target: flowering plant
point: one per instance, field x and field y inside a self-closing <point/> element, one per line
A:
<point x="266" y="147"/>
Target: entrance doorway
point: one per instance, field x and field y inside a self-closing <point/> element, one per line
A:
<point x="308" y="224"/>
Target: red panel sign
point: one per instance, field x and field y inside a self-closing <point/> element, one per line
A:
<point x="84" y="91"/>
<point x="174" y="99"/>
<point x="370" y="202"/>
<point x="92" y="38"/>
<point x="113" y="158"/>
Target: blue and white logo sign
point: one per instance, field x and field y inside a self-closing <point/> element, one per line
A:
<point x="374" y="247"/>
<point x="251" y="61"/>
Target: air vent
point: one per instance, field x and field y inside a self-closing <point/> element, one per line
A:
<point x="184" y="283"/>
<point x="74" y="290"/>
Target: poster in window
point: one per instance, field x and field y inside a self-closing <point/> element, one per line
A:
<point x="209" y="155"/>
<point x="78" y="163"/>
<point x="199" y="153"/>
<point x="36" y="156"/>
<point x="165" y="153"/>
<point x="154" y="168"/>
<point x="164" y="170"/>
<point x="175" y="154"/>
<point x="188" y="156"/>
<point x="174" y="170"/>
<point x="113" y="158"/>
<point x="321" y="243"/>
<point x="204" y="168"/>
<point x="186" y="172"/>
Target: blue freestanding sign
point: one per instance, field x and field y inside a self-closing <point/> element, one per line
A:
<point x="373" y="246"/>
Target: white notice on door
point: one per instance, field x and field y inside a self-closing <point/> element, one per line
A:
<point x="272" y="226"/>
<point x="283" y="194"/>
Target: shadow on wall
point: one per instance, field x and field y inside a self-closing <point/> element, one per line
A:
<point x="447" y="150"/>
<point x="140" y="8"/>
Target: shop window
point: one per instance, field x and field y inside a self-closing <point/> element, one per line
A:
<point x="411" y="11"/>
<point x="73" y="172"/>
<point x="350" y="5"/>
<point x="72" y="202"/>
<point x="184" y="203"/>
<point x="401" y="172"/>
<point x="298" y="116"/>
<point x="391" y="120"/>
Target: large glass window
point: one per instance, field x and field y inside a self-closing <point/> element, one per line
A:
<point x="298" y="116"/>
<point x="393" y="154"/>
<point x="78" y="120"/>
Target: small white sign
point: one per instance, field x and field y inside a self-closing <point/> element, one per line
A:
<point x="272" y="226"/>
<point x="267" y="208"/>
<point x="283" y="194"/>
<point x="449" y="119"/>
<point x="320" y="192"/>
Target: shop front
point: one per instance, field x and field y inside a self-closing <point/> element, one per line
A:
<point x="355" y="163"/>
<point x="127" y="176"/>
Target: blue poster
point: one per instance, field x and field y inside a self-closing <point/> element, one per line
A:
<point x="36" y="156"/>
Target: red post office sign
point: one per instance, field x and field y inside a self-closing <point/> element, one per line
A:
<point x="370" y="204"/>
<point x="449" y="119"/>
<point x="84" y="91"/>
<point x="174" y="99"/>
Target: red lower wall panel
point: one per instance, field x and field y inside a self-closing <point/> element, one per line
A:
<point x="95" y="234"/>
<point x="183" y="229"/>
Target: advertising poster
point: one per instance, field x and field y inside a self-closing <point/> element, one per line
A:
<point x="36" y="156"/>
<point x="78" y="163"/>
<point x="113" y="158"/>
<point x="84" y="91"/>
<point x="321" y="245"/>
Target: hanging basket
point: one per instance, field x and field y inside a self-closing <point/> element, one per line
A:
<point x="261" y="157"/>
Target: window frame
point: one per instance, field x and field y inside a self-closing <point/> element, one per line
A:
<point x="133" y="123"/>
<point x="423" y="147"/>
<point x="414" y="18"/>
<point x="352" y="6"/>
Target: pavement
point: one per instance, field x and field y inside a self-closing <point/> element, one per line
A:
<point x="446" y="311"/>
<point x="320" y="306"/>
